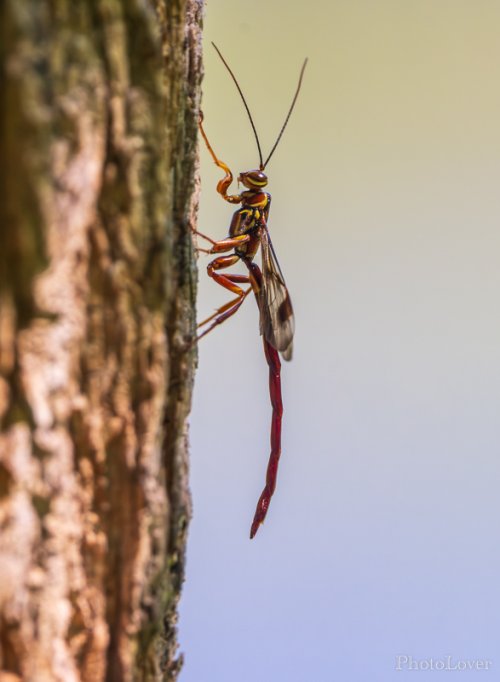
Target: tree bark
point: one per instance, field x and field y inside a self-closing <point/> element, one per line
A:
<point x="98" y="134"/>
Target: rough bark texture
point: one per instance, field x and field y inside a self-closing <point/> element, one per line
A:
<point x="98" y="110"/>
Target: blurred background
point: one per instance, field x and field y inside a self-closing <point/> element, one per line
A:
<point x="382" y="538"/>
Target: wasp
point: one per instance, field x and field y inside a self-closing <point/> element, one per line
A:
<point x="249" y="232"/>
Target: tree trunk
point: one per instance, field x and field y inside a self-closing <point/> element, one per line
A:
<point x="98" y="134"/>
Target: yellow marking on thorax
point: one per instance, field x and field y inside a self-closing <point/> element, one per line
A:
<point x="259" y="200"/>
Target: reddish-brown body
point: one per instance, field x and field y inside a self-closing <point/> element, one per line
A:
<point x="247" y="233"/>
<point x="273" y="361"/>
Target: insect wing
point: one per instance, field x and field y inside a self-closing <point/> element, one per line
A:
<point x="277" y="323"/>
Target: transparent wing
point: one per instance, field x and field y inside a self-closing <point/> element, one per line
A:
<point x="277" y="323"/>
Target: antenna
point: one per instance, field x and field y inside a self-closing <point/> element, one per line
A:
<point x="246" y="105"/>
<point x="263" y="165"/>
<point x="287" y="116"/>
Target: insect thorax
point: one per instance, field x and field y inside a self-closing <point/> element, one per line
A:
<point x="254" y="199"/>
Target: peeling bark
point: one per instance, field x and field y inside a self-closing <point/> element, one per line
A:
<point x="98" y="118"/>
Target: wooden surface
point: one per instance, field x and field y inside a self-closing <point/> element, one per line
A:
<point x="98" y="110"/>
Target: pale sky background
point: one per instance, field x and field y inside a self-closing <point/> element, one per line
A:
<point x="383" y="536"/>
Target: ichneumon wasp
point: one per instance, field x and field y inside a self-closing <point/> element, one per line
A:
<point x="247" y="232"/>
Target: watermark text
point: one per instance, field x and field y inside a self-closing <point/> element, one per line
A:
<point x="406" y="662"/>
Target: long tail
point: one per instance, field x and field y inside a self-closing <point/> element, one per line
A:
<point x="273" y="360"/>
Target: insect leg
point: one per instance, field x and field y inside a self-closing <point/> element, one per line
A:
<point x="222" y="185"/>
<point x="224" y="244"/>
<point x="230" y="243"/>
<point x="204" y="236"/>
<point x="229" y="304"/>
<point x="224" y="280"/>
<point x="224" y="313"/>
<point x="228" y="282"/>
